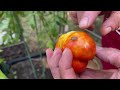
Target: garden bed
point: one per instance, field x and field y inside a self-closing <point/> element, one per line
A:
<point x="23" y="70"/>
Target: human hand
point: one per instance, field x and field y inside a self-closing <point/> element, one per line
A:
<point x="86" y="20"/>
<point x="60" y="64"/>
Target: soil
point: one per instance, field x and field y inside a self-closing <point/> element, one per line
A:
<point x="23" y="70"/>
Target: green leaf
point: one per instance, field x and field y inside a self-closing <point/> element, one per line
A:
<point x="1" y="13"/>
<point x="12" y="25"/>
<point x="21" y="13"/>
<point x="4" y="24"/>
<point x="5" y="38"/>
<point x="31" y="21"/>
<point x="1" y="60"/>
<point x="50" y="44"/>
<point x="53" y="29"/>
<point x="2" y="75"/>
<point x="61" y="21"/>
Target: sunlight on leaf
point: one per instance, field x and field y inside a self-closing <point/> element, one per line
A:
<point x="50" y="44"/>
<point x="4" y="24"/>
<point x="2" y="75"/>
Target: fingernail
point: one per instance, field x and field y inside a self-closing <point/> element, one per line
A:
<point x="84" y="22"/>
<point x="65" y="50"/>
<point x="57" y="51"/>
<point x="107" y="30"/>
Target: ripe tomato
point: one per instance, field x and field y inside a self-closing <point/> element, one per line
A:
<point x="79" y="66"/>
<point x="82" y="46"/>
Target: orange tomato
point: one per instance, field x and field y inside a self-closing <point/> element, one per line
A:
<point x="82" y="46"/>
<point x="79" y="66"/>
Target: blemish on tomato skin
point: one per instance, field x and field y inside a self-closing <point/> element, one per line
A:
<point x="74" y="38"/>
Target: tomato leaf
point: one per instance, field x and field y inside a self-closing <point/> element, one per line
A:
<point x="4" y="24"/>
<point x="2" y="75"/>
<point x="1" y="60"/>
<point x="54" y="30"/>
<point x="50" y="44"/>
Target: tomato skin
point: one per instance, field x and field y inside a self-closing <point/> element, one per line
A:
<point x="81" y="45"/>
<point x="79" y="66"/>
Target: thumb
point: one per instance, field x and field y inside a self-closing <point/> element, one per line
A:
<point x="109" y="55"/>
<point x="112" y="23"/>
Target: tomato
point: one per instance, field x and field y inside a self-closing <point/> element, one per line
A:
<point x="79" y="66"/>
<point x="82" y="46"/>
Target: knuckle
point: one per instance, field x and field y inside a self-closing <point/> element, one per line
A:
<point x="60" y="64"/>
<point x="50" y="64"/>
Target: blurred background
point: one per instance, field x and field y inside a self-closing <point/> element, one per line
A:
<point x="24" y="37"/>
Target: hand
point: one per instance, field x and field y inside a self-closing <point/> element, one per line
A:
<point x="60" y="64"/>
<point x="86" y="19"/>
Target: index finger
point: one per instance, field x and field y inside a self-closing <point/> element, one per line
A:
<point x="65" y="65"/>
<point x="53" y="61"/>
<point x="88" y="18"/>
<point x="110" y="55"/>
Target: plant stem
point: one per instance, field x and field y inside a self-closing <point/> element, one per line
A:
<point x="43" y="66"/>
<point x="16" y="18"/>
<point x="19" y="27"/>
<point x="46" y="24"/>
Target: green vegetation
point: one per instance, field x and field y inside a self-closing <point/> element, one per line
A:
<point x="37" y="29"/>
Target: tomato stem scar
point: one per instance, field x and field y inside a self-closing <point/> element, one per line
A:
<point x="74" y="38"/>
